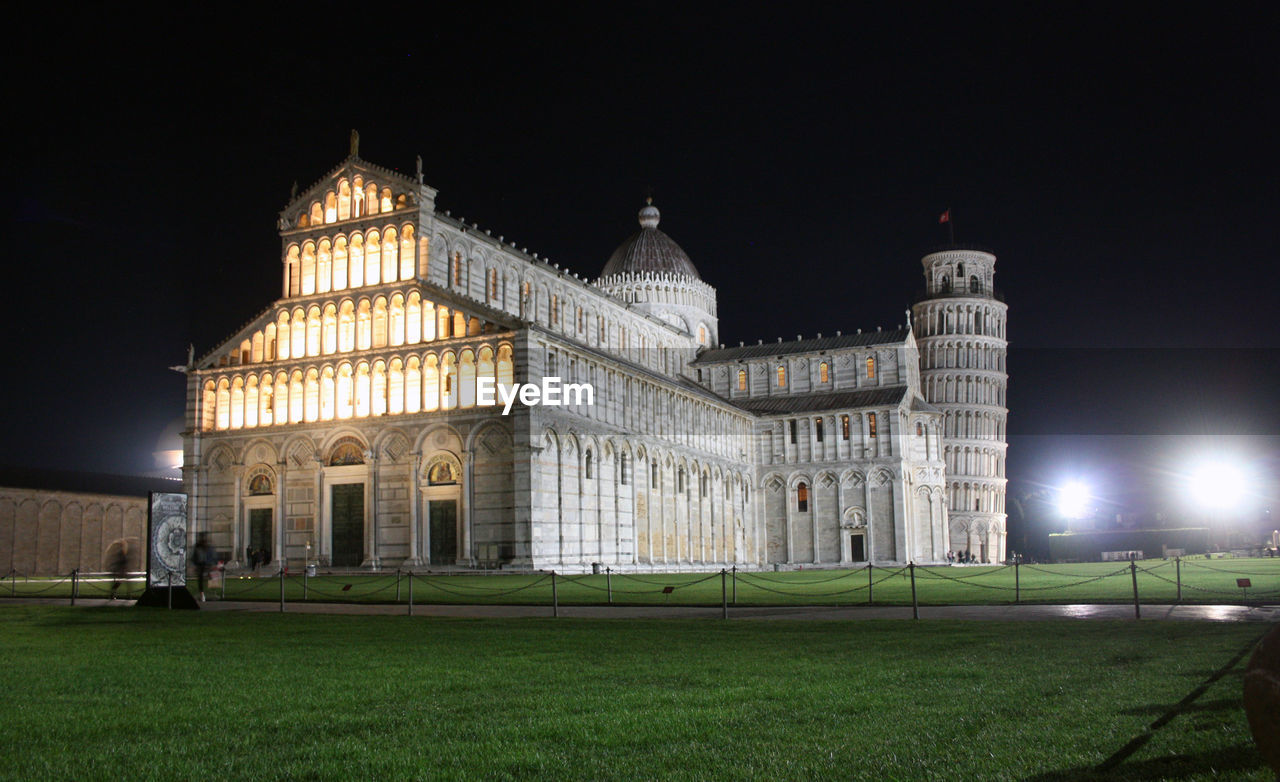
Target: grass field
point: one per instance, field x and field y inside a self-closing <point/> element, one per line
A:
<point x="1203" y="581"/>
<point x="117" y="693"/>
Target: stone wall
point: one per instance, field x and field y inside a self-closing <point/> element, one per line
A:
<point x="48" y="532"/>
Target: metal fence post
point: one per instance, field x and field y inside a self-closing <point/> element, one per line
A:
<point x="1017" y="583"/>
<point x="169" y="590"/>
<point x="410" y="593"/>
<point x="915" y="607"/>
<point x="224" y="582"/>
<point x="608" y="583"/>
<point x="75" y="583"/>
<point x="735" y="584"/>
<point x="13" y="583"/>
<point x="282" y="590"/>
<point x="1178" y="562"/>
<point x="397" y="585"/>
<point x="870" y="585"/>
<point x="555" y="599"/>
<point x="1133" y="571"/>
<point x="305" y="580"/>
<point x="724" y="594"/>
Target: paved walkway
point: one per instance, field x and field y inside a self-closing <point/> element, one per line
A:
<point x="1019" y="613"/>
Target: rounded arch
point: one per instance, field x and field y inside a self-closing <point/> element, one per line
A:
<point x="259" y="480"/>
<point x="482" y="434"/>
<point x="339" y="435"/>
<point x="440" y="436"/>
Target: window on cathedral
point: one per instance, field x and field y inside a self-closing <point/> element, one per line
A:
<point x="871" y="424"/>
<point x="587" y="466"/>
<point x="975" y="285"/>
<point x="824" y="373"/>
<point x="581" y="321"/>
<point x="680" y="481"/>
<point x="871" y="368"/>
<point x="702" y="485"/>
<point x="742" y="380"/>
<point x="493" y="284"/>
<point x="555" y="309"/>
<point x="960" y="270"/>
<point x="782" y="376"/>
<point x="457" y="268"/>
<point x="622" y="469"/>
<point x="844" y="427"/>
<point x="792" y="423"/>
<point x="817" y="428"/>
<point x="260" y="484"/>
<point x="653" y="475"/>
<point x="802" y="498"/>
<point x="919" y="429"/>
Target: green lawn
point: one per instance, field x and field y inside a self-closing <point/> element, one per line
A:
<point x="118" y="693"/>
<point x="1203" y="581"/>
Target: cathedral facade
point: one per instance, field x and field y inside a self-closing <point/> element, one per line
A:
<point x="353" y="423"/>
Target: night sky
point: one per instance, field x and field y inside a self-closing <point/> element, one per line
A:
<point x="1120" y="161"/>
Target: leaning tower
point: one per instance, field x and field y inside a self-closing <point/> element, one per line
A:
<point x="959" y="324"/>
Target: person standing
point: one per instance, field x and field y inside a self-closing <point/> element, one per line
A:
<point x="203" y="556"/>
<point x="119" y="566"/>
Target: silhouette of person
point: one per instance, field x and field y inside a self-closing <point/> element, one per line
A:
<point x="203" y="556"/>
<point x="118" y="564"/>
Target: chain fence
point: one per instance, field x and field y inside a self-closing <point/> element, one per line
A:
<point x="1145" y="581"/>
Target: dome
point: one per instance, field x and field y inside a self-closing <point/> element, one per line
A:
<point x="649" y="251"/>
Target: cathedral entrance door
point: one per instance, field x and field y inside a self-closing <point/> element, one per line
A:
<point x="260" y="530"/>
<point x="858" y="548"/>
<point x="348" y="524"/>
<point x="443" y="520"/>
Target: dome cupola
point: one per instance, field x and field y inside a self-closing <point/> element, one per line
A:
<point x="651" y="273"/>
<point x="649" y="250"/>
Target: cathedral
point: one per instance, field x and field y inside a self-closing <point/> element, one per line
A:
<point x="399" y="406"/>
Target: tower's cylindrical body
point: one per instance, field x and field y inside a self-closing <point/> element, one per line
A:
<point x="959" y="325"/>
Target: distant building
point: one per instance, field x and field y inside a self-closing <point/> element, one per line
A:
<point x="346" y="423"/>
<point x="53" y="522"/>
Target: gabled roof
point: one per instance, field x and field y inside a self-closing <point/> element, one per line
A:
<point x="350" y="166"/>
<point x="769" y="349"/>
<point x="808" y="403"/>
<point x="918" y="405"/>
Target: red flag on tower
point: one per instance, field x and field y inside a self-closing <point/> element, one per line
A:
<point x="945" y="217"/>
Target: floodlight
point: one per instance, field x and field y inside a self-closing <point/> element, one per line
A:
<point x="1073" y="500"/>
<point x="1219" y="484"/>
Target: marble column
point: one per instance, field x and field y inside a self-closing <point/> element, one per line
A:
<point x="237" y="524"/>
<point x="415" y="503"/>
<point x="282" y="505"/>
